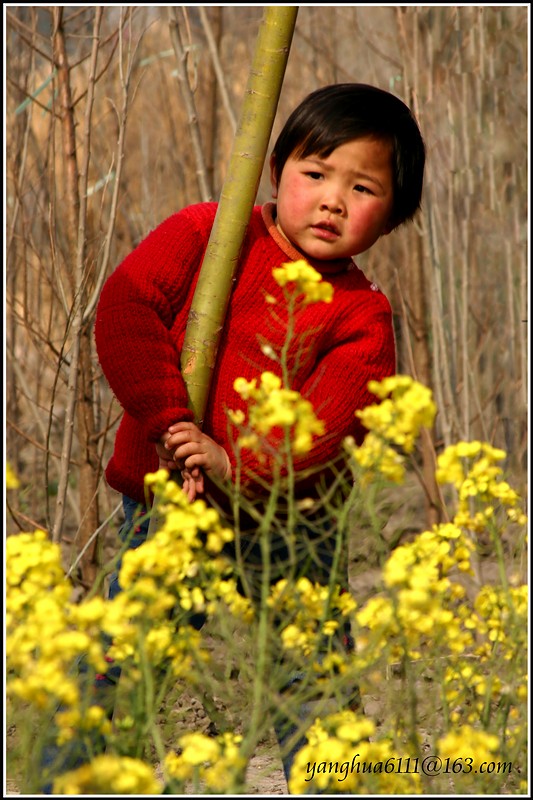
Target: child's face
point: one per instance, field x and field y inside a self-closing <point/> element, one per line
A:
<point x="336" y="207"/>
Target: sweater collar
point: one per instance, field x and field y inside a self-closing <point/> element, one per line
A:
<point x="268" y="211"/>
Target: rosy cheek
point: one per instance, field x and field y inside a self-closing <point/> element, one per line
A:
<point x="296" y="200"/>
<point x="299" y="203"/>
<point x="367" y="218"/>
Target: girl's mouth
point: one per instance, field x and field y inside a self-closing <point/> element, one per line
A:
<point x="326" y="231"/>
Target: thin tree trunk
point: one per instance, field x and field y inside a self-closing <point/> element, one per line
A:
<point x="72" y="214"/>
<point x="86" y="272"/>
<point x="422" y="372"/>
<point x="416" y="279"/>
<point x="79" y="395"/>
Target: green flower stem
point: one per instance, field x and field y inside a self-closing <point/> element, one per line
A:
<point x="291" y="480"/>
<point x="146" y="667"/>
<point x="440" y="681"/>
<point x="375" y="521"/>
<point x="500" y="557"/>
<point x="410" y="683"/>
<point x="284" y="355"/>
<point x="291" y="504"/>
<point x="342" y="525"/>
<point x="263" y="623"/>
<point x="158" y="741"/>
<point x="486" y="714"/>
<point x="236" y="509"/>
<point x="148" y="698"/>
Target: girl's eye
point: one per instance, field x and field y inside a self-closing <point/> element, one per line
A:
<point x="359" y="188"/>
<point x="314" y="175"/>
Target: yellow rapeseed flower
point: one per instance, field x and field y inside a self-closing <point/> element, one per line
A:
<point x="12" y="482"/>
<point x="217" y="762"/>
<point x="337" y="759"/>
<point x="406" y="407"/>
<point x="197" y="748"/>
<point x="306" y="280"/>
<point x="471" y="467"/>
<point x="76" y="721"/>
<point x="45" y="631"/>
<point x="479" y="745"/>
<point x="108" y="774"/>
<point x="271" y="405"/>
<point x="376" y="457"/>
<point x="392" y="427"/>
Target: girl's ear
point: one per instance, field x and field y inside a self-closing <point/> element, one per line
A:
<point x="273" y="178"/>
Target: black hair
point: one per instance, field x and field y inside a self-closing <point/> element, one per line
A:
<point x="336" y="114"/>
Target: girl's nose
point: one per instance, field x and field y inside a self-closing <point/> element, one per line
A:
<point x="332" y="203"/>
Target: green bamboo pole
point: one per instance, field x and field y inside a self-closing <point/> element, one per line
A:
<point x="237" y="198"/>
<point x="212" y="293"/>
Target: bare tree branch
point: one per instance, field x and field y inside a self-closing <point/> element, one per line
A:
<point x="125" y="78"/>
<point x="206" y="192"/>
<point x="213" y="51"/>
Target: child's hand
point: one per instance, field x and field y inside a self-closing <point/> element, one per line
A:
<point x="193" y="479"/>
<point x="193" y="483"/>
<point x="165" y="458"/>
<point x="192" y="450"/>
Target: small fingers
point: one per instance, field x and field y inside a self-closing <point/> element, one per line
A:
<point x="184" y="451"/>
<point x="189" y="488"/>
<point x="183" y="438"/>
<point x="178" y="427"/>
<point x="193" y="483"/>
<point x="195" y="461"/>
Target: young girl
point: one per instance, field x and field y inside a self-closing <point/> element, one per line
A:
<point x="346" y="169"/>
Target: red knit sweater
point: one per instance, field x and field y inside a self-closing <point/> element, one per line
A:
<point x="140" y="326"/>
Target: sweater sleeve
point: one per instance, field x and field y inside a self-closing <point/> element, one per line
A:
<point x="142" y="314"/>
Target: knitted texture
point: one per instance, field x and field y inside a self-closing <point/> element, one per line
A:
<point x="140" y="326"/>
